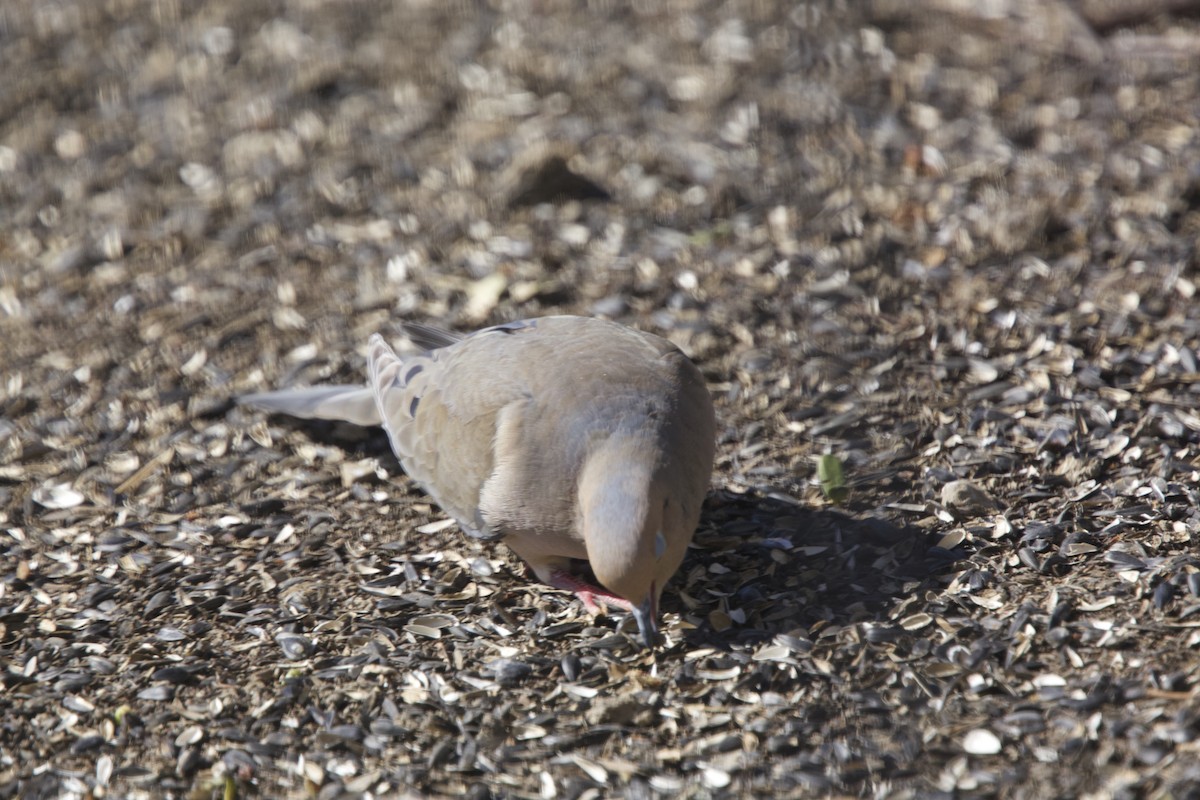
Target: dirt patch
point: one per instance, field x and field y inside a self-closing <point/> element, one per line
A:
<point x="954" y="249"/>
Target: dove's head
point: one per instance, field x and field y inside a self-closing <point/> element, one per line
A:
<point x="635" y="526"/>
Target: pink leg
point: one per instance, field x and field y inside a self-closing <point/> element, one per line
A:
<point x="591" y="596"/>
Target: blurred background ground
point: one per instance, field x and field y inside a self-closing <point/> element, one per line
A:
<point x="951" y="243"/>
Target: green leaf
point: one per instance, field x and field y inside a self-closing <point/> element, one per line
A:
<point x="833" y="480"/>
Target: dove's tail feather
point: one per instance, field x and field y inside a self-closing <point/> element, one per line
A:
<point x="354" y="404"/>
<point x="427" y="337"/>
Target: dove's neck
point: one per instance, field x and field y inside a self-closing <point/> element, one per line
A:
<point x="614" y="496"/>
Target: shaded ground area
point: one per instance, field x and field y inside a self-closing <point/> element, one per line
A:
<point x="953" y="246"/>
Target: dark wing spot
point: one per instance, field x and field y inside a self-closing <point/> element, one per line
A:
<point x="412" y="407"/>
<point x="413" y="371"/>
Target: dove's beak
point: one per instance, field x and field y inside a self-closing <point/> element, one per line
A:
<point x="646" y="614"/>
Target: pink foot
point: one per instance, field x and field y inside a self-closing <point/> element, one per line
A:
<point x="592" y="597"/>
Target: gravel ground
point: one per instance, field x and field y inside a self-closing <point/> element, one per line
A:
<point x="952" y="245"/>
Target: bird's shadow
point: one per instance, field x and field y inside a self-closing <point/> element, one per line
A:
<point x="761" y="566"/>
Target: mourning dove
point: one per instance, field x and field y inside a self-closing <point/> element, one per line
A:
<point x="564" y="437"/>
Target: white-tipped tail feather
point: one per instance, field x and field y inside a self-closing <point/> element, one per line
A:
<point x="353" y="404"/>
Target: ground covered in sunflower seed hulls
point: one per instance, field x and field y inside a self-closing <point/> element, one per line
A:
<point x="953" y="246"/>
